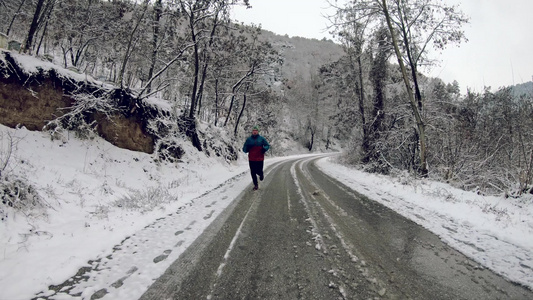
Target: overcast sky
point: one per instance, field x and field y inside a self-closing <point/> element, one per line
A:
<point x="499" y="51"/>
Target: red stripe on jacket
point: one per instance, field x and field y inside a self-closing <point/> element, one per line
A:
<point x="256" y="154"/>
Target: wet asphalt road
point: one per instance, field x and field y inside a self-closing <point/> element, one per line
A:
<point x="303" y="235"/>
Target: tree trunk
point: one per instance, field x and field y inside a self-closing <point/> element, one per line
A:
<point x="378" y="75"/>
<point x="155" y="40"/>
<point x="312" y="131"/>
<point x="234" y="90"/>
<point x="216" y="102"/>
<point x="196" y="71"/>
<point x="130" y="45"/>
<point x="200" y="93"/>
<point x="191" y="128"/>
<point x="242" y="111"/>
<point x="14" y="16"/>
<point x="230" y="107"/>
<point x="206" y="61"/>
<point x="420" y="124"/>
<point x="42" y="38"/>
<point x="188" y="126"/>
<point x="366" y="138"/>
<point x="412" y="63"/>
<point x="33" y="27"/>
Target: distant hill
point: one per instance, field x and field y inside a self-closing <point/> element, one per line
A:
<point x="303" y="56"/>
<point x="523" y="89"/>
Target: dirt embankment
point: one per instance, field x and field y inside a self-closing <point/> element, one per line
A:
<point x="33" y="100"/>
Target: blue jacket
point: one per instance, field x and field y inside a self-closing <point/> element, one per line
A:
<point x="256" y="146"/>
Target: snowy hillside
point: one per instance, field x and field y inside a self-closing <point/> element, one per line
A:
<point x="86" y="196"/>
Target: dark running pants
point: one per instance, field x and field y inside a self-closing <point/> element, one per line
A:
<point x="256" y="168"/>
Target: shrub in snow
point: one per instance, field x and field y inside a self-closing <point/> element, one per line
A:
<point x="221" y="149"/>
<point x="8" y="146"/>
<point x="100" y="212"/>
<point x="75" y="118"/>
<point x="145" y="200"/>
<point x="217" y="142"/>
<point x="169" y="150"/>
<point x="379" y="166"/>
<point x="166" y="130"/>
<point x="19" y="196"/>
<point x="15" y="193"/>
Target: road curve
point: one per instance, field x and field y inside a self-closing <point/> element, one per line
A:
<point x="303" y="235"/>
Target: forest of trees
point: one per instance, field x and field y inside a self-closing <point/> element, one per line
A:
<point x="367" y="96"/>
<point x="186" y="52"/>
<point x="410" y="122"/>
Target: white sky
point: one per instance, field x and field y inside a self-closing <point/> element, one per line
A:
<point x="499" y="51"/>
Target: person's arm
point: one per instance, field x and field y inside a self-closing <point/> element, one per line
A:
<point x="266" y="145"/>
<point x="245" y="147"/>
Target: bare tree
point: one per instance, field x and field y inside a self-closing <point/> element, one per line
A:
<point x="414" y="27"/>
<point x="203" y="19"/>
<point x="8" y="147"/>
<point x="35" y="24"/>
<point x="156" y="27"/>
<point x="15" y="15"/>
<point x="378" y="75"/>
<point x="132" y="40"/>
<point x="352" y="33"/>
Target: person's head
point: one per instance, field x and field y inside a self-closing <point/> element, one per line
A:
<point x="255" y="130"/>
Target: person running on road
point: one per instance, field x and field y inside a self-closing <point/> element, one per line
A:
<point x="256" y="146"/>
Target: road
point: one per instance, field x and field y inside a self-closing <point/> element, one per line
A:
<point x="303" y="235"/>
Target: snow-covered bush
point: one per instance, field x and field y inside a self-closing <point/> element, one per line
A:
<point x="165" y="128"/>
<point x="75" y="118"/>
<point x="169" y="150"/>
<point x="145" y="200"/>
<point x="221" y="148"/>
<point x="19" y="196"/>
<point x="16" y="194"/>
<point x="8" y="145"/>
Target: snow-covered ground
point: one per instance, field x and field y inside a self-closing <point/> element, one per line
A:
<point x="126" y="218"/>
